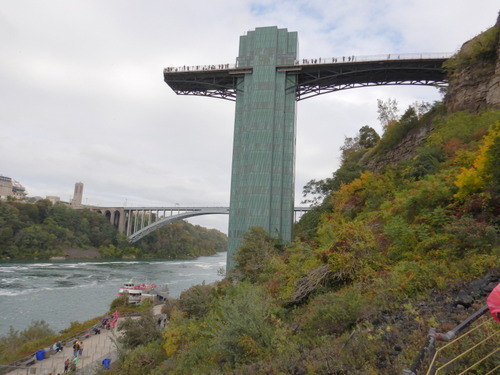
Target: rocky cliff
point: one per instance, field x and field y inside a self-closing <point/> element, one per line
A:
<point x="474" y="85"/>
<point x="475" y="74"/>
<point x="406" y="149"/>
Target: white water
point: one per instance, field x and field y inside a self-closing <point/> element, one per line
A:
<point x="67" y="291"/>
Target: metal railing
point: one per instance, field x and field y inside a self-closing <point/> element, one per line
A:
<point x="320" y="60"/>
<point x="468" y="352"/>
<point x="464" y="351"/>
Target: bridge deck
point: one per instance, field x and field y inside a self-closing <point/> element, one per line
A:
<point x="314" y="78"/>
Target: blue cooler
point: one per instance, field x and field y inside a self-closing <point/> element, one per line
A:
<point x="40" y="355"/>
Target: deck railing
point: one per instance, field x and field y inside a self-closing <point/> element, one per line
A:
<point x="319" y="60"/>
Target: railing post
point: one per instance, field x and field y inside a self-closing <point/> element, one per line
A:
<point x="427" y="351"/>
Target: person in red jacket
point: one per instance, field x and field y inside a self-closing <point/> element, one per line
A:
<point x="493" y="302"/>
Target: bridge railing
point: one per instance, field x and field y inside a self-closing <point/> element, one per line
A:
<point x="320" y="60"/>
<point x="381" y="57"/>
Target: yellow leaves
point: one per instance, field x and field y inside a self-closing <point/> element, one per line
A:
<point x="172" y="342"/>
<point x="180" y="332"/>
<point x="479" y="175"/>
<point x="468" y="182"/>
<point x="350" y="250"/>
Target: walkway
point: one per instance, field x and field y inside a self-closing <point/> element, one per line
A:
<point x="95" y="349"/>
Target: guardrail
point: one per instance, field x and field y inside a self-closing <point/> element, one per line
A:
<point x="485" y="347"/>
<point x="319" y="60"/>
<point x="431" y="355"/>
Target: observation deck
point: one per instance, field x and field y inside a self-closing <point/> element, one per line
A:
<point x="315" y="76"/>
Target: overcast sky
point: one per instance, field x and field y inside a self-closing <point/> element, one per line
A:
<point x="83" y="99"/>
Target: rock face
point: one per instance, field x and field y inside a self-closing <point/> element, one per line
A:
<point x="406" y="149"/>
<point x="474" y="87"/>
<point x="477" y="86"/>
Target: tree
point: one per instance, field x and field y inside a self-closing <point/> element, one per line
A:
<point x="197" y="300"/>
<point x="352" y="150"/>
<point x="421" y="108"/>
<point x="243" y="327"/>
<point x="252" y="255"/>
<point x="387" y="112"/>
<point x="141" y="331"/>
<point x="368" y="137"/>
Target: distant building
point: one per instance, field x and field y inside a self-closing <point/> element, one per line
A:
<point x="54" y="199"/>
<point x="76" y="202"/>
<point x="11" y="188"/>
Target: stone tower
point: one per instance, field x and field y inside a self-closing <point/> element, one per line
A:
<point x="76" y="202"/>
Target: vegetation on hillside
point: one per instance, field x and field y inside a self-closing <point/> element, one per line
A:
<point x="371" y="268"/>
<point x="481" y="49"/>
<point x="41" y="230"/>
<point x="181" y="239"/>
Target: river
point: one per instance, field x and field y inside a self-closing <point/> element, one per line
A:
<point x="60" y="292"/>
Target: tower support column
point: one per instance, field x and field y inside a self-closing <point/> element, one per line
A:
<point x="263" y="166"/>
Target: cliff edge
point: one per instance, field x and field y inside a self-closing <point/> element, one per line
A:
<point x="474" y="85"/>
<point x="474" y="73"/>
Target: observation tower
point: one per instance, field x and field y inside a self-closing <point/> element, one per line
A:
<point x="266" y="82"/>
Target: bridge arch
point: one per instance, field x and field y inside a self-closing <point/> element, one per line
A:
<point x="167" y="220"/>
<point x="113" y="215"/>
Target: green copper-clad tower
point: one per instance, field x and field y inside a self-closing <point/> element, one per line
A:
<point x="262" y="182"/>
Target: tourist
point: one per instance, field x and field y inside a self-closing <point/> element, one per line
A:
<point x="66" y="365"/>
<point x="76" y="348"/>
<point x="493" y="302"/>
<point x="80" y="351"/>
<point x="73" y="364"/>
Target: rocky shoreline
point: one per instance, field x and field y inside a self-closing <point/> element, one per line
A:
<point x="78" y="254"/>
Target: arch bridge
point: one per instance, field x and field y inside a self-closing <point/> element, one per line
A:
<point x="137" y="222"/>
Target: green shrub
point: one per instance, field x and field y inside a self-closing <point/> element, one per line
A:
<point x="197" y="300"/>
<point x="118" y="302"/>
<point x="258" y="246"/>
<point x="396" y="131"/>
<point x="143" y="359"/>
<point x="242" y="326"/>
<point x="481" y="48"/>
<point x="335" y="312"/>
<point x="139" y="331"/>
<point x="471" y="235"/>
<point x="18" y="344"/>
<point x="410" y="278"/>
<point x="427" y="161"/>
<point x="464" y="126"/>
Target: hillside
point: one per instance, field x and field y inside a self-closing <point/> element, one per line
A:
<point x="43" y="230"/>
<point x="404" y="236"/>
